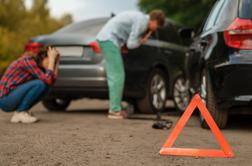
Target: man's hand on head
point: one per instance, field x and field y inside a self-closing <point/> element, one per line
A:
<point x="146" y="37"/>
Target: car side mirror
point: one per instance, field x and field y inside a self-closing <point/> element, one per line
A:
<point x="187" y="33"/>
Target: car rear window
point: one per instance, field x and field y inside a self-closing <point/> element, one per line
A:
<point x="245" y="9"/>
<point x="91" y="27"/>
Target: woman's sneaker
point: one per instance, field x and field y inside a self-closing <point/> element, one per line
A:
<point x="118" y="115"/>
<point x="23" y="117"/>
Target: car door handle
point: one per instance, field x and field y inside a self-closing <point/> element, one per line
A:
<point x="167" y="52"/>
<point x="203" y="43"/>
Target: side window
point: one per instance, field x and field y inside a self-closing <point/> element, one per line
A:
<point x="245" y="9"/>
<point x="169" y="33"/>
<point x="228" y="13"/>
<point x="214" y="14"/>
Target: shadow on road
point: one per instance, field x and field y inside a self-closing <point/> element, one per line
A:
<point x="86" y="111"/>
<point x="240" y="122"/>
<point x="236" y="122"/>
<point x="137" y="116"/>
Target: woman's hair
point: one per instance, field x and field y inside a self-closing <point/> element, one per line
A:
<point x="40" y="55"/>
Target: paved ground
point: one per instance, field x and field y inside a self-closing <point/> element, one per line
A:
<point x="84" y="136"/>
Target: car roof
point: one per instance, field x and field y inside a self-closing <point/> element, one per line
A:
<point x="91" y="26"/>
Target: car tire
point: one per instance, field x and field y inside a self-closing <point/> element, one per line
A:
<point x="180" y="93"/>
<point x="155" y="93"/>
<point x="220" y="116"/>
<point x="56" y="104"/>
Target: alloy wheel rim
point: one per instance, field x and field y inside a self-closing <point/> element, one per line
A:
<point x="158" y="91"/>
<point x="203" y="93"/>
<point x="181" y="94"/>
<point x="60" y="101"/>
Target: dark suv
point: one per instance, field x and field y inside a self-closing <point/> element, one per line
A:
<point x="219" y="62"/>
<point x="154" y="71"/>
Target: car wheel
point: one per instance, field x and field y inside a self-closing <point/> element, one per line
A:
<point x="206" y="92"/>
<point x="156" y="93"/>
<point x="56" y="104"/>
<point x="181" y="94"/>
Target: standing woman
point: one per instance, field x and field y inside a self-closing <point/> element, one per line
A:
<point x="26" y="81"/>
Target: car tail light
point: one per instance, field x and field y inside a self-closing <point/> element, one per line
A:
<point x="239" y="34"/>
<point x="33" y="47"/>
<point x="124" y="49"/>
<point x="95" y="47"/>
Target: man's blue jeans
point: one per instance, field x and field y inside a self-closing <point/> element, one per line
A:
<point x="24" y="96"/>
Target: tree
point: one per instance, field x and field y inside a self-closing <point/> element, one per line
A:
<point x="18" y="25"/>
<point x="187" y="12"/>
<point x="11" y="13"/>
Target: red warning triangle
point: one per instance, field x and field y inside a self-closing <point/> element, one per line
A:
<point x="225" y="151"/>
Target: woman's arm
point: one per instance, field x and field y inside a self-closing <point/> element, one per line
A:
<point x="32" y="67"/>
<point x="56" y="69"/>
<point x="52" y="55"/>
<point x="48" y="76"/>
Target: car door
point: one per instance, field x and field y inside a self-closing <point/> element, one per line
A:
<point x="208" y="36"/>
<point x="172" y="49"/>
<point x="138" y="63"/>
<point x="201" y="48"/>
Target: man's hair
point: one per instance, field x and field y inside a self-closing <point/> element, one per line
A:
<point x="159" y="16"/>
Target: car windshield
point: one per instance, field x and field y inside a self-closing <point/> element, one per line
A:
<point x="245" y="9"/>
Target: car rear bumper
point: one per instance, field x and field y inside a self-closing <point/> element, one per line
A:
<point x="89" y="92"/>
<point x="234" y="79"/>
<point x="81" y="76"/>
<point x="80" y="80"/>
<point x="76" y="93"/>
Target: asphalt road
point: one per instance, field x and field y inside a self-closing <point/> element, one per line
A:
<point x="84" y="136"/>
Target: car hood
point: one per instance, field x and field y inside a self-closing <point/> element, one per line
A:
<point x="64" y="39"/>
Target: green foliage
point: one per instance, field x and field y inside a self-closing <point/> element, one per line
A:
<point x="18" y="24"/>
<point x="187" y="12"/>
